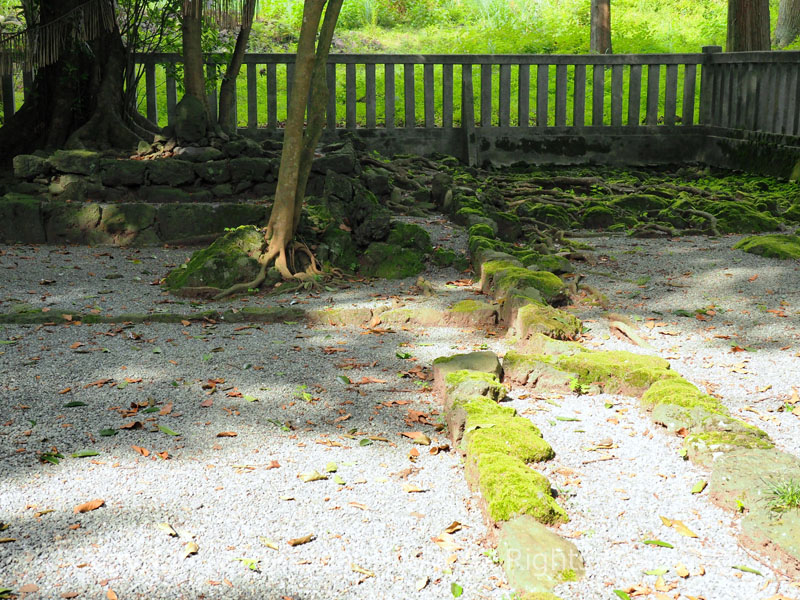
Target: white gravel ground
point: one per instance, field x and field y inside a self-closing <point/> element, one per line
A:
<point x="222" y="491"/>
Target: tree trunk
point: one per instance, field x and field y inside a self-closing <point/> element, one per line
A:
<point x="227" y="92"/>
<point x="61" y="104"/>
<point x="194" y="81"/>
<point x="788" y="28"/>
<point x="748" y="25"/>
<point x="600" y="38"/>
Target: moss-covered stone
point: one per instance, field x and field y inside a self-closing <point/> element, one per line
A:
<point x="82" y="162"/>
<point x="491" y="428"/>
<point x="337" y="249"/>
<point x="390" y="261"/>
<point x="445" y="257"/>
<point x="536" y="559"/>
<point x="511" y="488"/>
<point x="536" y="371"/>
<point x="29" y="166"/>
<point x="552" y="214"/>
<point x="509" y="226"/>
<point x="485" y="361"/>
<point x="230" y="259"/>
<point x="181" y="221"/>
<point x="122" y="172"/>
<point x="246" y="168"/>
<point x="474" y="383"/>
<point x="170" y="171"/>
<point x="700" y="447"/>
<point x="679" y="392"/>
<point x="640" y="202"/>
<point x="213" y="171"/>
<point x="547" y="284"/>
<point x="163" y="194"/>
<point x="472" y="313"/>
<point x="126" y="224"/>
<point x="419" y="315"/>
<point x="553" y="263"/>
<point x="617" y="371"/>
<point x="742" y="477"/>
<point x="409" y="235"/>
<point x="552" y="322"/>
<point x="598" y="217"/>
<point x="21" y="219"/>
<point x="771" y="246"/>
<point x="741" y="217"/>
<point x="481" y="230"/>
<point x="70" y="223"/>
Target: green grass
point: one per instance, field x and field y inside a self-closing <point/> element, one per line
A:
<point x="784" y="495"/>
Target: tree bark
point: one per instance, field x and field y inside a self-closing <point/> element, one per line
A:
<point x="600" y="38"/>
<point x="748" y="25"/>
<point x="192" y="28"/>
<point x="227" y="92"/>
<point x="787" y="29"/>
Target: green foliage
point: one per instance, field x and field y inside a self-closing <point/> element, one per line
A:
<point x="784" y="495"/>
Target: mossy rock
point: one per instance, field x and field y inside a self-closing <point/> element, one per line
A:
<point x="419" y="315"/>
<point x="337" y="249"/>
<point x="390" y="261"/>
<point x="553" y="263"/>
<point x="771" y="246"/>
<point x="552" y="322"/>
<point x="546" y="283"/>
<point x="170" y="171"/>
<point x="251" y="169"/>
<point x="598" y="217"/>
<point x="70" y="223"/>
<point x="485" y="361"/>
<point x="316" y="217"/>
<point x="481" y="230"/>
<point x="700" y="447"/>
<point x="469" y="210"/>
<point x="30" y="166"/>
<point x="181" y="221"/>
<point x="792" y="213"/>
<point x="640" y="203"/>
<point x="122" y="172"/>
<point x="616" y="370"/>
<point x="741" y="217"/>
<point x="552" y="214"/>
<point x="409" y="235"/>
<point x="491" y="428"/>
<point x="509" y="226"/>
<point x="213" y="171"/>
<point x="677" y="391"/>
<point x="127" y="224"/>
<point x="229" y="260"/>
<point x="511" y="488"/>
<point x="472" y="313"/>
<point x="537" y="559"/>
<point x="742" y="477"/>
<point x="536" y="371"/>
<point x="21" y="219"/>
<point x="474" y="383"/>
<point x="445" y="257"/>
<point x="81" y="162"/>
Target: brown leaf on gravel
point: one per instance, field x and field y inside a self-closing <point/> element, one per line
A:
<point x="28" y="588"/>
<point x="88" y="506"/>
<point x="417" y="437"/>
<point x="98" y="384"/>
<point x="68" y="595"/>
<point x="143" y="451"/>
<point x="207" y="403"/>
<point x="112" y="595"/>
<point x="365" y="380"/>
<point x="446" y="542"/>
<point x="167" y="408"/>
<point x="301" y="540"/>
<point x="65" y="390"/>
<point x="273" y="464"/>
<point x="132" y="425"/>
<point x="227" y="434"/>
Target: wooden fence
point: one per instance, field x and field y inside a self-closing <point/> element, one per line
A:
<point x="754" y="91"/>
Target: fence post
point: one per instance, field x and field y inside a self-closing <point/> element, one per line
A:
<point x="707" y="99"/>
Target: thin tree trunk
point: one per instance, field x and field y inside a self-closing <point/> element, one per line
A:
<point x="600" y="38"/>
<point x="748" y="25"/>
<point x="227" y="91"/>
<point x="787" y="29"/>
<point x="281" y="221"/>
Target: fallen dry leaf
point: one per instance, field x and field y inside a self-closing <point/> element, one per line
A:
<point x="681" y="570"/>
<point x="28" y="588"/>
<point x="112" y="595"/>
<point x="88" y="506"/>
<point x="190" y="548"/>
<point x="446" y="542"/>
<point x="678" y="526"/>
<point x="412" y="489"/>
<point x="361" y="570"/>
<point x="301" y="540"/>
<point x="453" y="527"/>
<point x="166" y="409"/>
<point x="417" y="437"/>
<point x="143" y="451"/>
<point x="227" y="434"/>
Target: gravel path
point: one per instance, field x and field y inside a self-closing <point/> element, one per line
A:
<point x="373" y="533"/>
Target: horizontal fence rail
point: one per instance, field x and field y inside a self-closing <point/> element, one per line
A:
<point x="753" y="91"/>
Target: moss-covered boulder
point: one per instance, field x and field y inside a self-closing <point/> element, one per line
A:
<point x="616" y="371"/>
<point x="771" y="246"/>
<point x="80" y="162"/>
<point x="213" y="171"/>
<point x="70" y="223"/>
<point x="128" y="224"/>
<point x="409" y="235"/>
<point x="640" y="203"/>
<point x="472" y="313"/>
<point x="741" y="217"/>
<point x="170" y="171"/>
<point x="676" y="391"/>
<point x="484" y="427"/>
<point x="552" y="214"/>
<point x="122" y="172"/>
<point x="486" y="362"/>
<point x="511" y="488"/>
<point x="390" y="261"/>
<point x="445" y="257"/>
<point x="536" y="371"/>
<point x="474" y="383"/>
<point x="509" y="226"/>
<point x="337" y="249"/>
<point x="21" y="219"/>
<point x="535" y="559"/>
<point x="552" y="322"/>
<point x="701" y="447"/>
<point x="598" y="217"/>
<point x="501" y="279"/>
<point x="30" y="166"/>
<point x="230" y="259"/>
<point x="554" y="263"/>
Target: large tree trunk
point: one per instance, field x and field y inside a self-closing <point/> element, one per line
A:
<point x="788" y="28"/>
<point x="192" y="29"/>
<point x="748" y="25"/>
<point x="61" y="104"/>
<point x="600" y="38"/>
<point x="227" y="92"/>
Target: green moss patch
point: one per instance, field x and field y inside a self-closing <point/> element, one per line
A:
<point x="679" y="392"/>
<point x="741" y="217"/>
<point x="474" y="383"/>
<point x="511" y="488"/>
<point x="771" y="246"/>
<point x="491" y="428"/>
<point x="408" y="235"/>
<point x="701" y="447"/>
<point x="390" y="261"/>
<point x="617" y="371"/>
